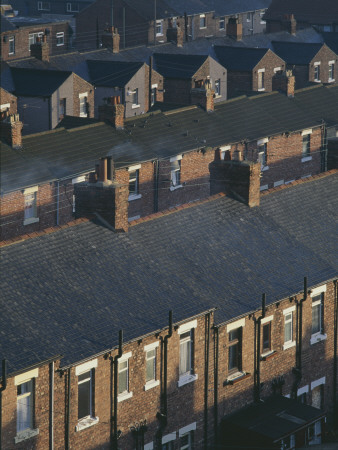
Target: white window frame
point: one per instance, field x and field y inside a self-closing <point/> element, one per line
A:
<point x="152" y="383"/>
<point x="223" y="150"/>
<point x="89" y="366"/>
<point x="19" y="380"/>
<point x="83" y="95"/>
<point x="135" y="97"/>
<point x="69" y="7"/>
<point x="264" y="321"/>
<point x="222" y="21"/>
<point x="331" y="64"/>
<point x="263" y="155"/>
<point x="262" y="22"/>
<point x="136" y="168"/>
<point x="33" y="37"/>
<point x="316" y="80"/>
<point x="29" y="192"/>
<point x="278" y="183"/>
<point x="261" y="89"/>
<point x="126" y="394"/>
<point x="306" y="157"/>
<point x="60" y="35"/>
<point x="218" y="91"/>
<point x="188" y="430"/>
<point x="178" y="158"/>
<point x="203" y="17"/>
<point x="318" y="291"/>
<point x="277" y="69"/>
<point x="11" y="41"/>
<point x="188" y="327"/>
<point x="169" y="438"/>
<point x="41" y="8"/>
<point x="159" y="26"/>
<point x="291" y="342"/>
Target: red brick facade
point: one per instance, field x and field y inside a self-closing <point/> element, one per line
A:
<point x="8" y="103"/>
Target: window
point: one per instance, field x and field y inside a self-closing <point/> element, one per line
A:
<point x="186" y="436"/>
<point x="302" y="395"/>
<point x="288" y="443"/>
<point x="62" y="108"/>
<point x="331" y="71"/>
<point x="261" y="14"/>
<point x="151" y="361"/>
<point x="134" y="187"/>
<point x="317" y="72"/>
<point x="222" y="23"/>
<point x="25" y="406"/>
<point x="249" y="17"/>
<point x="25" y="385"/>
<point x="288" y="327"/>
<point x="168" y="441"/>
<point x="306" y="145"/>
<point x="266" y="333"/>
<point x="4" y="110"/>
<point x="60" y="39"/>
<point x="218" y="87"/>
<point x="262" y="150"/>
<point x="260" y="76"/>
<point x="175" y="172"/>
<point x="314" y="433"/>
<point x="186" y="363"/>
<point x="72" y="7"/>
<point x="11" y="42"/>
<point x="86" y="394"/>
<point x="43" y="6"/>
<point x="83" y="105"/>
<point x="203" y="21"/>
<point x="30" y="206"/>
<point x="152" y="96"/>
<point x="317" y="304"/>
<point x="235" y="351"/>
<point x="317" y="393"/>
<point x="123" y="378"/>
<point x="159" y="27"/>
<point x="134" y="98"/>
<point x="33" y="38"/>
<point x="168" y="446"/>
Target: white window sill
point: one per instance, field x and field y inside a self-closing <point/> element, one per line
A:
<point x="203" y="28"/>
<point x="86" y="423"/>
<point x="134" y="106"/>
<point x="264" y="168"/>
<point x="173" y="188"/>
<point x="262" y="22"/>
<point x="289" y="345"/>
<point x="134" y="197"/>
<point x="331" y="80"/>
<point x="124" y="396"/>
<point x="159" y="34"/>
<point x="26" y="434"/>
<point x="31" y="220"/>
<point x="317" y="81"/>
<point x="218" y="96"/>
<point x="151" y="384"/>
<point x="9" y="54"/>
<point x="265" y="354"/>
<point x="261" y="90"/>
<point x="60" y="45"/>
<point x="236" y="375"/>
<point x="83" y="115"/>
<point x="185" y="379"/>
<point x="306" y="158"/>
<point x="317" y="338"/>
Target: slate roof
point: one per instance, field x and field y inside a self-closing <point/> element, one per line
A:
<point x="331" y="40"/>
<point x="6" y="25"/>
<point x="40" y="83"/>
<point x="274" y="418"/>
<point x="231" y="7"/>
<point x="146" y="9"/>
<point x="112" y="73"/>
<point x="217" y="254"/>
<point x="296" y="52"/>
<point x="239" y="58"/>
<point x="178" y="66"/>
<point x="313" y="12"/>
<point x="77" y="145"/>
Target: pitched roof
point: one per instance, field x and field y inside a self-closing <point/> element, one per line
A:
<point x="146" y="9"/>
<point x="178" y="66"/>
<point x="331" y="40"/>
<point x="239" y="58"/>
<point x="40" y="83"/>
<point x="217" y="254"/>
<point x="313" y="12"/>
<point x="231" y="7"/>
<point x="6" y="25"/>
<point x="296" y="52"/>
<point x="112" y="73"/>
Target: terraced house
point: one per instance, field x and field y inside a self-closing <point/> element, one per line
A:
<point x="193" y="377"/>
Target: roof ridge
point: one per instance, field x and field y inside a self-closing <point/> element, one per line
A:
<point x="300" y="181"/>
<point x="41" y="133"/>
<point x="83" y="127"/>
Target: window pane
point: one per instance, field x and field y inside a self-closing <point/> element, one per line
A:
<point x="25" y="406"/>
<point x="30" y="205"/>
<point x="233" y="356"/>
<point x="288" y="328"/>
<point x="317" y="396"/>
<point x="316" y="318"/>
<point x="123" y="377"/>
<point x="150" y="371"/>
<point x="185" y="357"/>
<point x="266" y="337"/>
<point x="84" y="397"/>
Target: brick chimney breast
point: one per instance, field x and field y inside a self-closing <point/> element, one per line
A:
<point x="40" y="50"/>
<point x="11" y="131"/>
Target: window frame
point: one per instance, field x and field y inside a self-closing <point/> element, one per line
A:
<point x="290" y="342"/>
<point x="87" y="367"/>
<point x="83" y="104"/>
<point x="159" y="27"/>
<point x="318" y="299"/>
<point x="134" y="195"/>
<point x="135" y="98"/>
<point x="30" y="205"/>
<point x="222" y="23"/>
<point x="152" y="382"/>
<point x="175" y="172"/>
<point x="331" y="71"/>
<point x="235" y="343"/>
<point x="124" y="395"/>
<point x="189" y="431"/>
<point x="187" y="336"/>
<point x="60" y="38"/>
<point x="218" y="88"/>
<point x="262" y="153"/>
<point x="41" y="4"/>
<point x="34" y="36"/>
<point x="316" y="72"/>
<point x="11" y="43"/>
<point x="203" y="22"/>
<point x="261" y="80"/>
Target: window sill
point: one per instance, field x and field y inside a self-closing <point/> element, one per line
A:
<point x="218" y="96"/>
<point x="236" y="377"/>
<point x="331" y="80"/>
<point x="317" y="338"/>
<point x="268" y="355"/>
<point x="134" y="106"/>
<point x="151" y="384"/>
<point x="11" y="54"/>
<point x="173" y="188"/>
<point x="31" y="220"/>
<point x="264" y="168"/>
<point x="317" y="81"/>
<point x="306" y="158"/>
<point x="83" y="115"/>
<point x="203" y="28"/>
<point x="26" y="434"/>
<point x="134" y="197"/>
<point x="86" y="423"/>
<point x="60" y="45"/>
<point x="261" y="90"/>
<point x="185" y="379"/>
<point x="159" y="34"/>
<point x="124" y="396"/>
<point x="289" y="345"/>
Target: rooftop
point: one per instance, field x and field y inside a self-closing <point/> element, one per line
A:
<point x="239" y="58"/>
<point x="296" y="52"/>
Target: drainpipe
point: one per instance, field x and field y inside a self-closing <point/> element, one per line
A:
<point x="156" y="180"/>
<point x="206" y="377"/>
<point x="154" y="22"/>
<point x="186" y="26"/>
<point x="216" y="346"/>
<point x="335" y="346"/>
<point x="51" y="405"/>
<point x="2" y="388"/>
<point x="257" y="393"/>
<point x="68" y="410"/>
<point x="116" y="374"/>
<point x="57" y="202"/>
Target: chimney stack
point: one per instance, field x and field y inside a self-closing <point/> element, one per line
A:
<point x="175" y="34"/>
<point x="11" y="130"/>
<point x="111" y="39"/>
<point x="284" y="82"/>
<point x="40" y="50"/>
<point x="203" y="96"/>
<point x="234" y="29"/>
<point x="113" y="112"/>
<point x="289" y="23"/>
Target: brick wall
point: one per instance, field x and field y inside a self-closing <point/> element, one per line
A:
<point x="324" y="55"/>
<point x="5" y="98"/>
<point x="81" y="86"/>
<point x="269" y="62"/>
